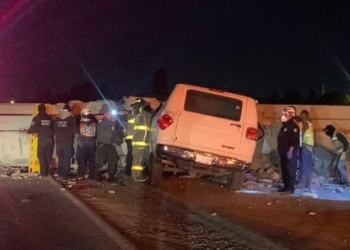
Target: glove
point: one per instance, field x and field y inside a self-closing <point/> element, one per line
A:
<point x="22" y="130"/>
<point x="147" y="108"/>
<point x="289" y="155"/>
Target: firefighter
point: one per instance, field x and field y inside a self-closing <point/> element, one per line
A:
<point x="107" y="138"/>
<point x="86" y="148"/>
<point x="129" y="136"/>
<point x="288" y="148"/>
<point x="306" y="163"/>
<point x="340" y="147"/>
<point x="42" y="125"/>
<point x="140" y="138"/>
<point x="65" y="128"/>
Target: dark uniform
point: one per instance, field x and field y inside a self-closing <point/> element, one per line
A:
<point x="289" y="136"/>
<point x="86" y="148"/>
<point x="108" y="135"/>
<point x="42" y="125"/>
<point x="65" y="128"/>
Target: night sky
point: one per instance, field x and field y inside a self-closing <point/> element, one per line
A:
<point x="252" y="47"/>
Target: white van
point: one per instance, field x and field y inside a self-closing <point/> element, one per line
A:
<point x="204" y="131"/>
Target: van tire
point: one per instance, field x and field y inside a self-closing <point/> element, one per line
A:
<point x="156" y="173"/>
<point x="235" y="180"/>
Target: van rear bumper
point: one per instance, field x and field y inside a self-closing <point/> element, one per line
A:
<point x="194" y="157"/>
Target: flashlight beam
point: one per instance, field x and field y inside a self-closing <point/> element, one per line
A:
<point x="339" y="64"/>
<point x="89" y="77"/>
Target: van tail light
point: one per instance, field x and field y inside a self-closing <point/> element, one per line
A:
<point x="252" y="134"/>
<point x="165" y="121"/>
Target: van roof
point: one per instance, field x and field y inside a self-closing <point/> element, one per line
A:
<point x="218" y="91"/>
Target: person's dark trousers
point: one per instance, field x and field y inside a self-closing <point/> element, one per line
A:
<point x="45" y="151"/>
<point x="107" y="153"/>
<point x="64" y="155"/>
<point x="86" y="151"/>
<point x="289" y="169"/>
<point x="306" y="166"/>
<point x="146" y="161"/>
<point x="128" y="157"/>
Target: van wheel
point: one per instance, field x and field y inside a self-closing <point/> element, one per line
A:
<point x="235" y="180"/>
<point x="156" y="173"/>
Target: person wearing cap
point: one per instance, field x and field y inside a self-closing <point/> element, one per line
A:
<point x="86" y="148"/>
<point x="130" y="121"/>
<point x="140" y="140"/>
<point x="306" y="162"/>
<point x="108" y="136"/>
<point x="340" y="148"/>
<point x="42" y="126"/>
<point x="65" y="128"/>
<point x="288" y="148"/>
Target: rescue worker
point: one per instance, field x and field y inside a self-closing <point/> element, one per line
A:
<point x="86" y="148"/>
<point x="65" y="128"/>
<point x="107" y="138"/>
<point x="306" y="163"/>
<point x="288" y="147"/>
<point x="140" y="139"/>
<point x="42" y="125"/>
<point x="129" y="136"/>
<point x="340" y="147"/>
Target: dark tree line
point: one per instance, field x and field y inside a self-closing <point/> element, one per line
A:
<point x="294" y="96"/>
<point x="88" y="91"/>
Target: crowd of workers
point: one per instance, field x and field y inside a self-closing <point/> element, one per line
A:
<point x="295" y="148"/>
<point x="96" y="141"/>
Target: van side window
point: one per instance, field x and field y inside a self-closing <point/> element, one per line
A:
<point x="213" y="105"/>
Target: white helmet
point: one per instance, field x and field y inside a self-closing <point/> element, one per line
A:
<point x="85" y="111"/>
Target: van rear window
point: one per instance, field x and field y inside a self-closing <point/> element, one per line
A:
<point x="213" y="105"/>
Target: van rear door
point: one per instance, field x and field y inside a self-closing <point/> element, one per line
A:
<point x="211" y="122"/>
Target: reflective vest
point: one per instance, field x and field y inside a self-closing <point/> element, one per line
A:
<point x="308" y="137"/>
<point x="142" y="127"/>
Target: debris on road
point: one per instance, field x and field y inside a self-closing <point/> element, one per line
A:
<point x="310" y="194"/>
<point x="16" y="173"/>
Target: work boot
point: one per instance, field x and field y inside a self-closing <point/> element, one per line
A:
<point x="110" y="178"/>
<point x="136" y="174"/>
<point x="282" y="190"/>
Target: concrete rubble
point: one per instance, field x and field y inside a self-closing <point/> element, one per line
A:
<point x="267" y="176"/>
<point x="17" y="173"/>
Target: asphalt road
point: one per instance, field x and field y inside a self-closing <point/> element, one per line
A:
<point x="37" y="214"/>
<point x="293" y="221"/>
